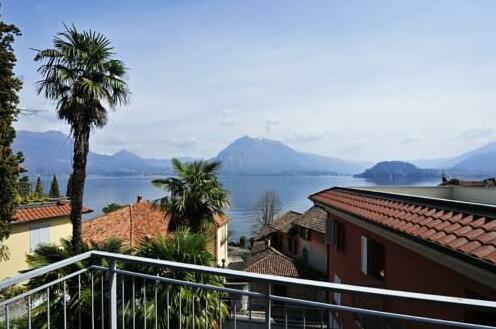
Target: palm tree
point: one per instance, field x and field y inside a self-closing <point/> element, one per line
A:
<point x="79" y="304"/>
<point x="203" y="307"/>
<point x="196" y="195"/>
<point x="80" y="73"/>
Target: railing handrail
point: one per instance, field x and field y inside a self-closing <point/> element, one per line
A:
<point x="272" y="279"/>
<point x="345" y="288"/>
<point x="44" y="270"/>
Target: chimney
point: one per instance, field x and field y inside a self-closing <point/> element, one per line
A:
<point x="139" y="198"/>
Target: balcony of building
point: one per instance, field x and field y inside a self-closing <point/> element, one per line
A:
<point x="105" y="290"/>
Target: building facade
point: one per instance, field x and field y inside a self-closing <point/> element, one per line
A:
<point x="409" y="242"/>
<point x="35" y="225"/>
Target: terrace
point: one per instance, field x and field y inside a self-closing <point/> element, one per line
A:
<point x="105" y="290"/>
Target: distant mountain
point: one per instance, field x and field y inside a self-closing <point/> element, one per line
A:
<point x="398" y="171"/>
<point x="256" y="156"/>
<point x="449" y="162"/>
<point x="50" y="153"/>
<point x="477" y="162"/>
<point x="483" y="164"/>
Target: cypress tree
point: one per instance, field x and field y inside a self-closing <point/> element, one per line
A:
<point x="9" y="161"/>
<point x="38" y="190"/>
<point x="24" y="189"/>
<point x="54" y="188"/>
<point x="69" y="187"/>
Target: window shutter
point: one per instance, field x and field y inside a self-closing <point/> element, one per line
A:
<point x="39" y="235"/>
<point x="329" y="229"/>
<point x="364" y="254"/>
<point x="339" y="236"/>
<point x="34" y="238"/>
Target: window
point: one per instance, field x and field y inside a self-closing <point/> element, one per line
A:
<point x="335" y="233"/>
<point x="305" y="255"/>
<point x="293" y="245"/>
<point x="304" y="233"/>
<point x="373" y="258"/>
<point x="39" y="235"/>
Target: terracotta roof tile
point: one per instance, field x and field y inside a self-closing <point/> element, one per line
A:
<point x="438" y="236"/>
<point x="483" y="251"/>
<point x="457" y="243"/>
<point x="271" y="261"/>
<point x="491" y="257"/>
<point x="45" y="211"/>
<point x="462" y="231"/>
<point x="315" y="219"/>
<point x="471" y="246"/>
<point x="131" y="224"/>
<point x="268" y="260"/>
<point x="452" y="228"/>
<point x="487" y="237"/>
<point x="490" y="225"/>
<point x="474" y="233"/>
<point x="264" y="232"/>
<point x="285" y="222"/>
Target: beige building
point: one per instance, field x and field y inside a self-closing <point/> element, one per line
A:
<point x="220" y="252"/>
<point x="34" y="225"/>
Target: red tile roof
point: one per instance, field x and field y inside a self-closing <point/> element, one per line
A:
<point x="285" y="222"/>
<point x="47" y="210"/>
<point x="131" y="224"/>
<point x="434" y="221"/>
<point x="314" y="219"/>
<point x="264" y="232"/>
<point x="268" y="260"/>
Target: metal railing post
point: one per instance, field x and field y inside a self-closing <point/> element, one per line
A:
<point x="113" y="294"/>
<point x="268" y="310"/>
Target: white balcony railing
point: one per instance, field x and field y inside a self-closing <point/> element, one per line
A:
<point x="105" y="290"/>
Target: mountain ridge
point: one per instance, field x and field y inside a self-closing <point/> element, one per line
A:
<point x="260" y="156"/>
<point x="50" y="152"/>
<point x="397" y="171"/>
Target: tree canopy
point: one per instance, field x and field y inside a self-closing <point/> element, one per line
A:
<point x="81" y="74"/>
<point x="54" y="188"/>
<point x="38" y="190"/>
<point x="265" y="209"/>
<point x="196" y="194"/>
<point x="9" y="161"/>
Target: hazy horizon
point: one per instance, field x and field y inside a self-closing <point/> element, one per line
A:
<point x="362" y="80"/>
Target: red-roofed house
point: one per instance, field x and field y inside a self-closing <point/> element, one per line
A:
<point x="35" y="224"/>
<point x="144" y="219"/>
<point x="437" y="240"/>
<point x="131" y="224"/>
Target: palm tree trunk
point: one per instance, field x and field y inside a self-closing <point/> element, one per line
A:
<point x="81" y="148"/>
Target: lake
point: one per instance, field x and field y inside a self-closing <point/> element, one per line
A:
<point x="293" y="192"/>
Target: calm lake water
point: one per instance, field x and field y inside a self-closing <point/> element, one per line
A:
<point x="293" y="192"/>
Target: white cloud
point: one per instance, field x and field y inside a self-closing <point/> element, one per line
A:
<point x="481" y="131"/>
<point x="271" y="124"/>
<point x="411" y="138"/>
<point x="188" y="143"/>
<point x="228" y="117"/>
<point x="307" y="135"/>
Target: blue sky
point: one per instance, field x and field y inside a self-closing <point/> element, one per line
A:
<point x="368" y="80"/>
